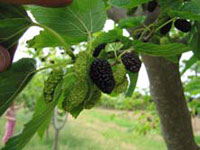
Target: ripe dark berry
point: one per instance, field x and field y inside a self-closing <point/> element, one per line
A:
<point x="165" y="29"/>
<point x="183" y="25"/>
<point x="98" y="49"/>
<point x="152" y="6"/>
<point x="131" y="61"/>
<point x="101" y="74"/>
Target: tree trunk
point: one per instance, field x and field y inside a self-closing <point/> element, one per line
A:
<point x="167" y="92"/>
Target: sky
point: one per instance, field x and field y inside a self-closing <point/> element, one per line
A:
<point x="143" y="81"/>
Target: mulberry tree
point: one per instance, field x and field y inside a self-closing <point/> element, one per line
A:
<point x="160" y="32"/>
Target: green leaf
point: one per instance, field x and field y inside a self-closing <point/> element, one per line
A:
<point x="19" y="141"/>
<point x="13" y="23"/>
<point x="113" y="47"/>
<point x="133" y="81"/>
<point x="189" y="64"/>
<point x="127" y="3"/>
<point x="174" y="59"/>
<point x="74" y="23"/>
<point x="120" y="3"/>
<point x="112" y="36"/>
<point x="39" y="107"/>
<point x="44" y="39"/>
<point x="169" y="4"/>
<point x="193" y="87"/>
<point x="107" y="37"/>
<point x="131" y="22"/>
<point x="195" y="40"/>
<point x="189" y="10"/>
<point x="14" y="80"/>
<point x="165" y="50"/>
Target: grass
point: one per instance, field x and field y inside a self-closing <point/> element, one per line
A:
<point x="97" y="129"/>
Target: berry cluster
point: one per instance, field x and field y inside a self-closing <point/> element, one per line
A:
<point x="131" y="61"/>
<point x="102" y="75"/>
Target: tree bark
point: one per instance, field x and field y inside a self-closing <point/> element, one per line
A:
<point x="167" y="91"/>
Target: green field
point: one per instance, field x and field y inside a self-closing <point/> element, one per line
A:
<point x="97" y="129"/>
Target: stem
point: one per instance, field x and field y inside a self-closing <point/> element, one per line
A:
<point x="127" y="50"/>
<point x="90" y="42"/>
<point x="147" y="28"/>
<point x="137" y="30"/>
<point x="53" y="66"/>
<point x="66" y="46"/>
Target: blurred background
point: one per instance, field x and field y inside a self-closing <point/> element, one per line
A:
<point x="116" y="123"/>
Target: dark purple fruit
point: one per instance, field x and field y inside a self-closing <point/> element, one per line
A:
<point x="98" y="49"/>
<point x="165" y="29"/>
<point x="131" y="62"/>
<point x="102" y="75"/>
<point x="183" y="25"/>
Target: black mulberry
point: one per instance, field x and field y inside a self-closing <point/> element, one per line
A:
<point x="98" y="49"/>
<point x="131" y="61"/>
<point x="101" y="74"/>
<point x="165" y="29"/>
<point x="183" y="25"/>
<point x="152" y="6"/>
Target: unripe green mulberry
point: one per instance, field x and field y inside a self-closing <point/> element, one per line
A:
<point x="119" y="72"/>
<point x="51" y="83"/>
<point x="120" y="78"/>
<point x="76" y="95"/>
<point x="121" y="87"/>
<point x="81" y="66"/>
<point x="94" y="98"/>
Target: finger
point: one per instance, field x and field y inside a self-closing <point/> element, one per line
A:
<point x="5" y="59"/>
